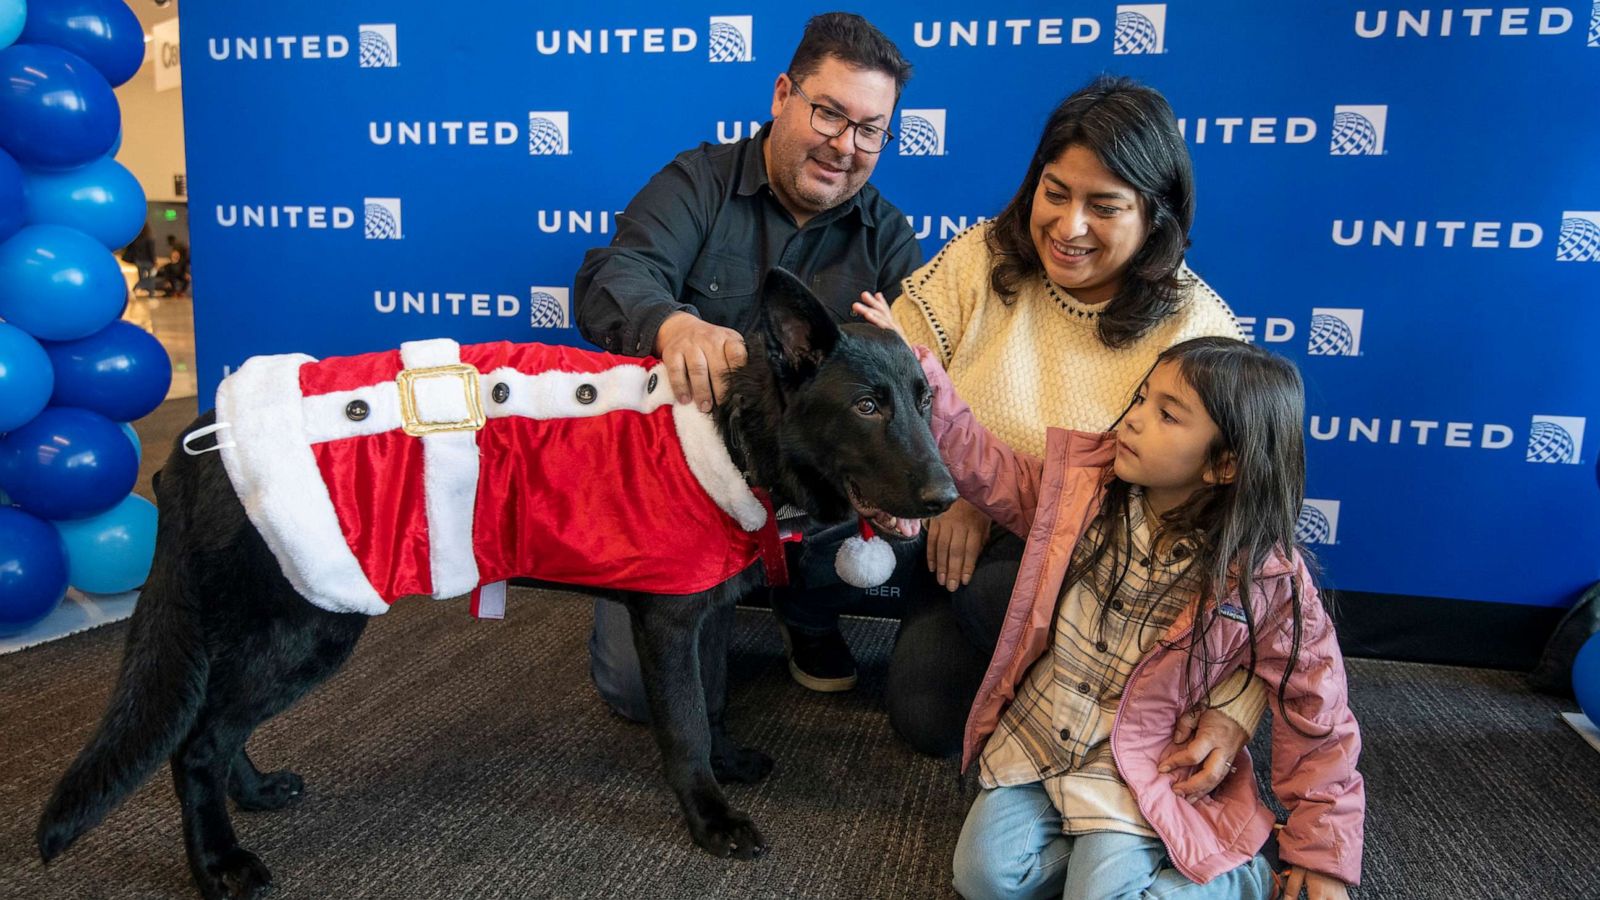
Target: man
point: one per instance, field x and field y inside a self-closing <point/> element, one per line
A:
<point x="679" y="280"/>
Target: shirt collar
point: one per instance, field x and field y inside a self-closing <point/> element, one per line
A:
<point x="754" y="178"/>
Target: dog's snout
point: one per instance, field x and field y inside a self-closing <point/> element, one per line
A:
<point x="937" y="497"/>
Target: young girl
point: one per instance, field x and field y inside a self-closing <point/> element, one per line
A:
<point x="1128" y="611"/>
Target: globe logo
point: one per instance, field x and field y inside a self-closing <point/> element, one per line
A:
<point x="375" y="51"/>
<point x="1353" y="135"/>
<point x="1135" y="33"/>
<point x="1331" y="336"/>
<point x="381" y="223"/>
<point x="727" y="44"/>
<point x="1594" y="25"/>
<point x="919" y="137"/>
<point x="1313" y="526"/>
<point x="1550" y="443"/>
<point x="545" y="137"/>
<point x="1579" y="240"/>
<point x="545" y="311"/>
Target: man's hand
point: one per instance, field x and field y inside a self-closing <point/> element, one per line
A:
<point x="1210" y="741"/>
<point x="954" y="541"/>
<point x="698" y="356"/>
<point x="875" y="310"/>
<point x="1316" y="886"/>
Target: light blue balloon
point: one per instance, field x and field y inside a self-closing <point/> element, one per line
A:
<point x="110" y="553"/>
<point x="138" y="446"/>
<point x="101" y="199"/>
<point x="25" y="371"/>
<point x="59" y="284"/>
<point x="13" y="15"/>
<point x="1586" y="678"/>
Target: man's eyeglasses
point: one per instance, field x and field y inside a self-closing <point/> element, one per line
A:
<point x="829" y="122"/>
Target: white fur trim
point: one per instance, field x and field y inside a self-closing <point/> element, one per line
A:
<point x="554" y="395"/>
<point x="708" y="459"/>
<point x="864" y="563"/>
<point x="449" y="469"/>
<point x="275" y="474"/>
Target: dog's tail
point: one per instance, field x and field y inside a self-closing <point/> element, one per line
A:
<point x="158" y="694"/>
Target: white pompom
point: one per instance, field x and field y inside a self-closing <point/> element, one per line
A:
<point x="864" y="562"/>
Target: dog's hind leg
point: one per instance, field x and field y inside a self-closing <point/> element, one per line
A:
<point x="730" y="762"/>
<point x="257" y="791"/>
<point x="282" y="648"/>
<point x="667" y="633"/>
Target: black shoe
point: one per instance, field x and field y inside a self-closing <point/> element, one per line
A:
<point x="820" y="662"/>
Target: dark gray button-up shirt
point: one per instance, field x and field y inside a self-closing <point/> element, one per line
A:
<point x="704" y="231"/>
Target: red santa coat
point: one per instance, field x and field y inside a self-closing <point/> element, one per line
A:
<point x="438" y="468"/>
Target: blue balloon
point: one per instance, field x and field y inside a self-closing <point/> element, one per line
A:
<point x="121" y="372"/>
<point x="101" y="199"/>
<point x="33" y="571"/>
<point x="1586" y="678"/>
<point x="26" y="377"/>
<point x="133" y="436"/>
<point x="56" y="110"/>
<point x="13" y="15"/>
<point x="104" y="32"/>
<point x="59" y="284"/>
<point x="13" y="195"/>
<point x="67" y="464"/>
<point x="116" y="145"/>
<point x="110" y="553"/>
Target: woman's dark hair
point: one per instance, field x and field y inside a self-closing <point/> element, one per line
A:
<point x="850" y="39"/>
<point x="1257" y="400"/>
<point x="1130" y="128"/>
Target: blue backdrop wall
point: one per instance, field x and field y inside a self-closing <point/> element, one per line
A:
<point x="1402" y="197"/>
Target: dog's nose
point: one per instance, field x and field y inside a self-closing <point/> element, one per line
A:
<point x="936" y="498"/>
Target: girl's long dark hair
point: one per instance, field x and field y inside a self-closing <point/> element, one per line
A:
<point x="1130" y="128"/>
<point x="1257" y="401"/>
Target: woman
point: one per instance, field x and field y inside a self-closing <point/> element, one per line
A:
<point x="1049" y="315"/>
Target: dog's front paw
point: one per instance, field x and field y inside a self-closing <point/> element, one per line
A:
<point x="236" y="874"/>
<point x="273" y="791"/>
<point x="729" y="834"/>
<point x="742" y="765"/>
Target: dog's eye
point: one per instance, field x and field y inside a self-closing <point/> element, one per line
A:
<point x="867" y="406"/>
<point x="927" y="403"/>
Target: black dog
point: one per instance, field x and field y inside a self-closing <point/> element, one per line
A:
<point x="832" y="419"/>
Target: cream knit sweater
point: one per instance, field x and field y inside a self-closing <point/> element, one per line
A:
<point x="1038" y="361"/>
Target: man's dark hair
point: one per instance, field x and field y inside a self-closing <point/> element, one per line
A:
<point x="853" y="41"/>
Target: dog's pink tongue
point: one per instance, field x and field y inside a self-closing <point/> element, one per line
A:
<point x="906" y="528"/>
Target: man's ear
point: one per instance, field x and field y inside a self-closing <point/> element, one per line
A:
<point x="1223" y="472"/>
<point x="799" y="332"/>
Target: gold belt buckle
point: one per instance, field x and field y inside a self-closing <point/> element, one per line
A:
<point x="414" y="426"/>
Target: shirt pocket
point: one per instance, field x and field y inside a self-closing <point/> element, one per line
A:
<point x="722" y="286"/>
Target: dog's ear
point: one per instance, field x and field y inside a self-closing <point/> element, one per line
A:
<point x="799" y="332"/>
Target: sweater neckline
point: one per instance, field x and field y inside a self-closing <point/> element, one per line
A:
<point x="1070" y="303"/>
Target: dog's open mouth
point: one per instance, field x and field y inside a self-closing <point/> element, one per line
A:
<point x="889" y="526"/>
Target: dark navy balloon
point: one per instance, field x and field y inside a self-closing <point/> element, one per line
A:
<point x="104" y="32"/>
<point x="121" y="372"/>
<point x="67" y="464"/>
<point x="56" y="110"/>
<point x="33" y="570"/>
<point x="13" y="195"/>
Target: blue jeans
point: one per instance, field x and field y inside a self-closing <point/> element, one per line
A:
<point x="1012" y="847"/>
<point x="813" y="605"/>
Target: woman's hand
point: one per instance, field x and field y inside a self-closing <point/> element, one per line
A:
<point x="1209" y="741"/>
<point x="1315" y="885"/>
<point x="875" y="310"/>
<point x="954" y="541"/>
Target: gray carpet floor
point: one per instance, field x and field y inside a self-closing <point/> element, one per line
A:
<point x="455" y="758"/>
